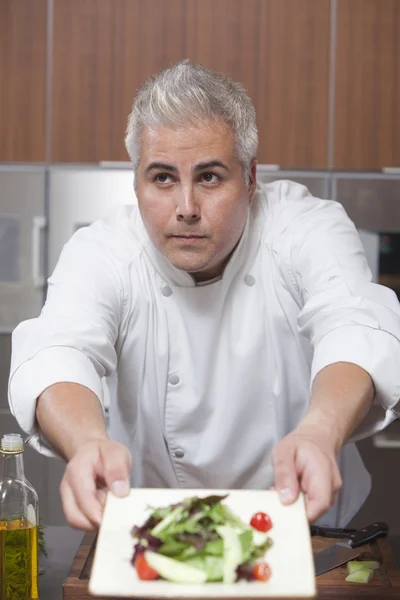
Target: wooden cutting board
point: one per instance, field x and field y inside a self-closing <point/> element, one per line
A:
<point x="331" y="585"/>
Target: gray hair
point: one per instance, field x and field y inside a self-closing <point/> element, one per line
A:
<point x="188" y="93"/>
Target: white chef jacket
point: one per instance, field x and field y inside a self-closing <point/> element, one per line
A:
<point x="204" y="380"/>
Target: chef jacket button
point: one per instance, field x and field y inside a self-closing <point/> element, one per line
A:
<point x="179" y="453"/>
<point x="173" y="379"/>
<point x="249" y="280"/>
<point x="166" y="291"/>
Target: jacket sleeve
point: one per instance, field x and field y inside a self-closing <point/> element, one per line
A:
<point x="73" y="339"/>
<point x="345" y="316"/>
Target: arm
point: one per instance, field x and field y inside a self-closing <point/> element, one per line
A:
<point x="305" y="460"/>
<point x="58" y="361"/>
<point x="70" y="417"/>
<point x="353" y="327"/>
<point x="341" y="397"/>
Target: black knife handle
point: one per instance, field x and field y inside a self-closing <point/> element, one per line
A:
<point x="331" y="532"/>
<point x="367" y="534"/>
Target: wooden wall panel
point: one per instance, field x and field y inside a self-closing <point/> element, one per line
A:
<point x="367" y="99"/>
<point x="22" y="80"/>
<point x="224" y="35"/>
<point x="293" y="84"/>
<point x="279" y="49"/>
<point x="103" y="51"/>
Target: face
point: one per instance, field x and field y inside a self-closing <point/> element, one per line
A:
<point x="192" y="195"/>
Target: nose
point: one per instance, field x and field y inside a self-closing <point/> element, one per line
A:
<point x="187" y="209"/>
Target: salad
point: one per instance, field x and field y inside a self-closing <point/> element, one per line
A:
<point x="201" y="540"/>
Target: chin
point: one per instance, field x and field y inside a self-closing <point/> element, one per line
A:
<point x="188" y="267"/>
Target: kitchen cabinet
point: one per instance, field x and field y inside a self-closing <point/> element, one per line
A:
<point x="279" y="50"/>
<point x="371" y="201"/>
<point x="367" y="85"/>
<point x="22" y="80"/>
<point x="103" y="50"/>
<point x="317" y="183"/>
<point x="79" y="196"/>
<point x="22" y="229"/>
<point x="293" y="83"/>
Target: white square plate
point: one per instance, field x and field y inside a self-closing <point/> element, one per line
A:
<point x="290" y="557"/>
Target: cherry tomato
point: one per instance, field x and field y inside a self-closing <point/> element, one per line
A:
<point x="261" y="571"/>
<point x="143" y="570"/>
<point x="261" y="522"/>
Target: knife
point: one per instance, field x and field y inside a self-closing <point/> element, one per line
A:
<point x="346" y="550"/>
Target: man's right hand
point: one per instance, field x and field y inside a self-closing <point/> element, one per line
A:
<point x="96" y="467"/>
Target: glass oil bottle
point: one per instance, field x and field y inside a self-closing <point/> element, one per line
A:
<point x="19" y="520"/>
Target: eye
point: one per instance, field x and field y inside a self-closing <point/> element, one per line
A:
<point x="163" y="178"/>
<point x="210" y="178"/>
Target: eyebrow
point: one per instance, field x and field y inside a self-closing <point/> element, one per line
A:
<point x="209" y="165"/>
<point x="199" y="167"/>
<point x="161" y="167"/>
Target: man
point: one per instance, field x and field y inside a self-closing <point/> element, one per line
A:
<point x="237" y="326"/>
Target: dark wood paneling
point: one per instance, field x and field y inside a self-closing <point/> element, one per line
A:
<point x="293" y="82"/>
<point x="22" y="80"/>
<point x="103" y="51"/>
<point x="224" y="35"/>
<point x="279" y="50"/>
<point x="367" y="115"/>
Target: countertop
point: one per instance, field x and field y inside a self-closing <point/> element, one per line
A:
<point x="62" y="544"/>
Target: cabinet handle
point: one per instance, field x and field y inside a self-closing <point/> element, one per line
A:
<point x="391" y="170"/>
<point x="38" y="226"/>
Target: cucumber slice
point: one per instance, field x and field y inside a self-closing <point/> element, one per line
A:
<point x="174" y="570"/>
<point x="232" y="552"/>
<point x="361" y="576"/>
<point x="357" y="565"/>
<point x="259" y="538"/>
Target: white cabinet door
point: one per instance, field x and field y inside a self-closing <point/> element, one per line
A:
<point x="79" y="196"/>
<point x="22" y="230"/>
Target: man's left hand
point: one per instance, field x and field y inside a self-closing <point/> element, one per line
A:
<point x="305" y="461"/>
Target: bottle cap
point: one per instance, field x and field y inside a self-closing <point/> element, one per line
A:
<point x="12" y="442"/>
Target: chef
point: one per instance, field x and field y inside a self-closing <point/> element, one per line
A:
<point x="235" y="323"/>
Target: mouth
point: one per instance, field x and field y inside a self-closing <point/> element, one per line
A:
<point x="188" y="238"/>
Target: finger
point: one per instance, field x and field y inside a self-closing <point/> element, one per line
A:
<point x="318" y="489"/>
<point x="81" y="477"/>
<point x="337" y="478"/>
<point x="116" y="466"/>
<point x="286" y="478"/>
<point x="102" y="496"/>
<point x="73" y="514"/>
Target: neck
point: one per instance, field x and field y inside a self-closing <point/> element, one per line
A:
<point x="12" y="466"/>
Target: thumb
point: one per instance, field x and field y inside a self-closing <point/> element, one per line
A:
<point x="286" y="479"/>
<point x="116" y="461"/>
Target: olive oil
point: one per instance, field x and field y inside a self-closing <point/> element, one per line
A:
<point x="18" y="560"/>
<point x="19" y="518"/>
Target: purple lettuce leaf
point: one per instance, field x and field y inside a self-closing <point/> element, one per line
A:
<point x="245" y="571"/>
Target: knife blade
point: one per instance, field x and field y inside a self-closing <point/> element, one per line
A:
<point x="347" y="549"/>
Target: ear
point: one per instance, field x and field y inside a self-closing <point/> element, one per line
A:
<point x="252" y="179"/>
